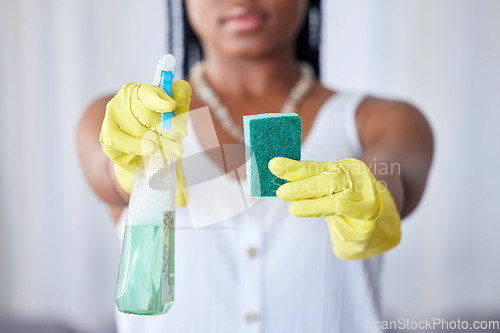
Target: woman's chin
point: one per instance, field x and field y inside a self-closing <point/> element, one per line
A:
<point x="248" y="49"/>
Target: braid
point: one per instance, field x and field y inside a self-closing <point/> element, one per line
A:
<point x="192" y="46"/>
<point x="308" y="40"/>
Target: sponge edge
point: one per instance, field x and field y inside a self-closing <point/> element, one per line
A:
<point x="269" y="135"/>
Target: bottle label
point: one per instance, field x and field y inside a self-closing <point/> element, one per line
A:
<point x="168" y="269"/>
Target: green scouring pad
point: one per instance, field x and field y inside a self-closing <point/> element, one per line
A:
<point x="269" y="135"/>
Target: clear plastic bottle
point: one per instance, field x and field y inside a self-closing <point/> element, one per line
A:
<point x="146" y="280"/>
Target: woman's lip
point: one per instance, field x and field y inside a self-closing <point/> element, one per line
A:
<point x="243" y="18"/>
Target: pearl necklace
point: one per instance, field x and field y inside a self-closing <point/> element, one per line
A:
<point x="207" y="95"/>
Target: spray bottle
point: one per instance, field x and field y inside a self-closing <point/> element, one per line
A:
<point x="146" y="280"/>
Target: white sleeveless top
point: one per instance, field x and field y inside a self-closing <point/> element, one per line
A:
<point x="262" y="269"/>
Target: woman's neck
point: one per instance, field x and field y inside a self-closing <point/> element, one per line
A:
<point x="252" y="78"/>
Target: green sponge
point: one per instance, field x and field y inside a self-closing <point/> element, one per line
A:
<point x="269" y="135"/>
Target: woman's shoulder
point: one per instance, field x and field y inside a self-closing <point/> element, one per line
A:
<point x="372" y="111"/>
<point x="394" y="127"/>
<point x="375" y="116"/>
<point x="377" y="119"/>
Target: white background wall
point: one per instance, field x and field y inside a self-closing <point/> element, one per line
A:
<point x="444" y="56"/>
<point x="58" y="252"/>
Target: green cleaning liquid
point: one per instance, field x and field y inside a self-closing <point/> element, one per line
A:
<point x="146" y="281"/>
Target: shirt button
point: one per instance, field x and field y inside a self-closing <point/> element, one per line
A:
<point x="252" y="252"/>
<point x="251" y="317"/>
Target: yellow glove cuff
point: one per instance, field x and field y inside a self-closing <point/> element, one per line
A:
<point x="181" y="193"/>
<point x="385" y="236"/>
<point x="125" y="179"/>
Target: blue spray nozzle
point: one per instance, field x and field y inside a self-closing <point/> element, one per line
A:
<point x="164" y="74"/>
<point x="166" y="83"/>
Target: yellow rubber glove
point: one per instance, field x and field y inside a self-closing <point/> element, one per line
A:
<point x="361" y="214"/>
<point x="131" y="128"/>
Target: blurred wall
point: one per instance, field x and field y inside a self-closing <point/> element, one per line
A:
<point x="58" y="250"/>
<point x="443" y="56"/>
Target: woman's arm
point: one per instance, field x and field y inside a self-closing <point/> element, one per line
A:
<point x="97" y="167"/>
<point x="398" y="145"/>
<point x="364" y="219"/>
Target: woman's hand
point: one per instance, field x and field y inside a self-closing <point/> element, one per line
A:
<point x="362" y="218"/>
<point x="131" y="126"/>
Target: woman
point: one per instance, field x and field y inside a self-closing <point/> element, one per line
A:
<point x="270" y="271"/>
